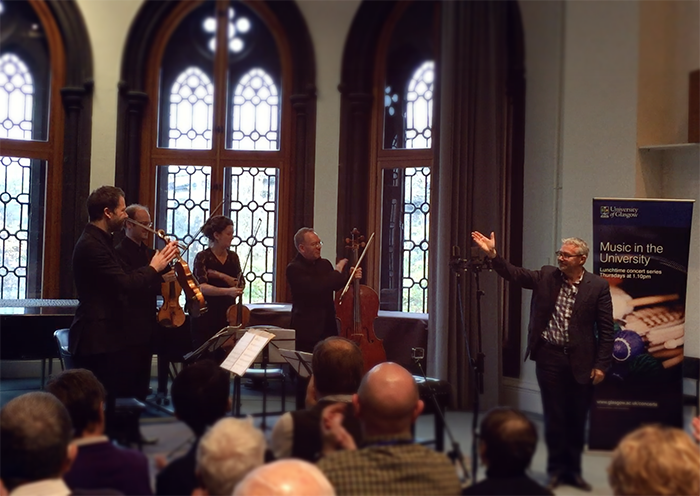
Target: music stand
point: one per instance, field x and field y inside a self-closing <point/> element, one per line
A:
<point x="212" y="344"/>
<point x="270" y="354"/>
<point x="300" y="361"/>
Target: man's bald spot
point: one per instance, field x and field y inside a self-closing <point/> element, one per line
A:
<point x="388" y="391"/>
<point x="285" y="478"/>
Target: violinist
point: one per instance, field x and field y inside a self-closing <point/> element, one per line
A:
<point x="96" y="334"/>
<point x="141" y="331"/>
<point x="217" y="269"/>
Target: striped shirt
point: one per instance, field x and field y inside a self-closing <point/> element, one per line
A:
<point x="557" y="331"/>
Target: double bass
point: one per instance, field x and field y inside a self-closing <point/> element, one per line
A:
<point x="357" y="306"/>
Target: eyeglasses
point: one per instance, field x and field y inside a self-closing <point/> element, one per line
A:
<point x="317" y="244"/>
<point x="144" y="224"/>
<point x="565" y="256"/>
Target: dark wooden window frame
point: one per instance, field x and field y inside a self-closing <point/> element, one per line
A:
<point x="67" y="148"/>
<point x="136" y="150"/>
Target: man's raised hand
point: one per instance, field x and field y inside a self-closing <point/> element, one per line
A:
<point x="487" y="245"/>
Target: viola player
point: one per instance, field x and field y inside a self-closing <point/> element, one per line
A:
<point x="217" y="269"/>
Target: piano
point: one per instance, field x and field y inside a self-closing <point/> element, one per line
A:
<point x="27" y="327"/>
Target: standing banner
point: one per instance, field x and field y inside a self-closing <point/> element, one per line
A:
<point x="641" y="247"/>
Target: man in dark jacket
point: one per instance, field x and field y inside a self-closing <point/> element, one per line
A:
<point x="201" y="397"/>
<point x="507" y="443"/>
<point x="570" y="338"/>
<point x="141" y="328"/>
<point x="96" y="337"/>
<point x="313" y="280"/>
<point x="337" y="371"/>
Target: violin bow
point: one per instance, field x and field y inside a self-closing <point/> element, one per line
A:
<point x="194" y="238"/>
<point x="357" y="265"/>
<point x="250" y="253"/>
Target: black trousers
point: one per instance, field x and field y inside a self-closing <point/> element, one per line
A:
<point x="565" y="403"/>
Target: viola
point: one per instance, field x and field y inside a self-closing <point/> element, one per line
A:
<point x="357" y="307"/>
<point x="238" y="314"/>
<point x="171" y="313"/>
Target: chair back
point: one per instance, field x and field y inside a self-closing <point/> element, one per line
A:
<point x="61" y="337"/>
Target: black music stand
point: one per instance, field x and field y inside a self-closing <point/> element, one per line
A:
<point x="212" y="344"/>
<point x="270" y="354"/>
<point x="300" y="361"/>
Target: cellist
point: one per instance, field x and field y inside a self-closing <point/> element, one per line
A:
<point x="217" y="269"/>
<point x="313" y="280"/>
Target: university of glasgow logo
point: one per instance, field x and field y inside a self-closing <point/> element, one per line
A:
<point x="604" y="212"/>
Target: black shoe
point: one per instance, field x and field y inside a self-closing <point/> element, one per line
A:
<point x="555" y="480"/>
<point x="578" y="482"/>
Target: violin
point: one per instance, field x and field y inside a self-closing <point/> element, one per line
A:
<point x="357" y="306"/>
<point x="195" y="303"/>
<point x="171" y="313"/>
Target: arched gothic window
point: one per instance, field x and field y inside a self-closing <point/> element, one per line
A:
<point x="404" y="155"/>
<point x="30" y="172"/>
<point x="219" y="132"/>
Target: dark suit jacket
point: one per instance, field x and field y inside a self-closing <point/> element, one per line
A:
<point x="591" y="328"/>
<point x="313" y="310"/>
<point x="102" y="285"/>
<point x="178" y="477"/>
<point x="140" y="320"/>
<point x="507" y="486"/>
<point x="103" y="465"/>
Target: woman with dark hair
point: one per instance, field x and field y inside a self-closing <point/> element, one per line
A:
<point x="217" y="269"/>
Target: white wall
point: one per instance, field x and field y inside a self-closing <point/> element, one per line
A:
<point x="329" y="23"/>
<point x="580" y="141"/>
<point x="108" y="24"/>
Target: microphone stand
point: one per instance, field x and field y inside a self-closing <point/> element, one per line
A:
<point x="455" y="454"/>
<point x="459" y="265"/>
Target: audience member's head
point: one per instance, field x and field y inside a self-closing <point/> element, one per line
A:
<point x="227" y="452"/>
<point x="655" y="460"/>
<point x="35" y="434"/>
<point x="337" y="366"/>
<point x="83" y="396"/>
<point x="508" y="440"/>
<point x="387" y="401"/>
<point x="285" y="478"/>
<point x="200" y="395"/>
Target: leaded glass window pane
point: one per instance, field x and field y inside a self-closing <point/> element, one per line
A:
<point x="253" y="208"/>
<point x="416" y="225"/>
<point x="21" y="229"/>
<point x="255" y="114"/>
<point x="183" y="204"/>
<point x="16" y="98"/>
<point x="191" y="111"/>
<point x="419" y="107"/>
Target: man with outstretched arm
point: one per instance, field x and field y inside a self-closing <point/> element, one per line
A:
<point x="570" y="338"/>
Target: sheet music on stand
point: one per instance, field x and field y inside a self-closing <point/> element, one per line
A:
<point x="246" y="350"/>
<point x="213" y="343"/>
<point x="299" y="360"/>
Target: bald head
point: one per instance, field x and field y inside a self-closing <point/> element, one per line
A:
<point x="285" y="478"/>
<point x="387" y="401"/>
